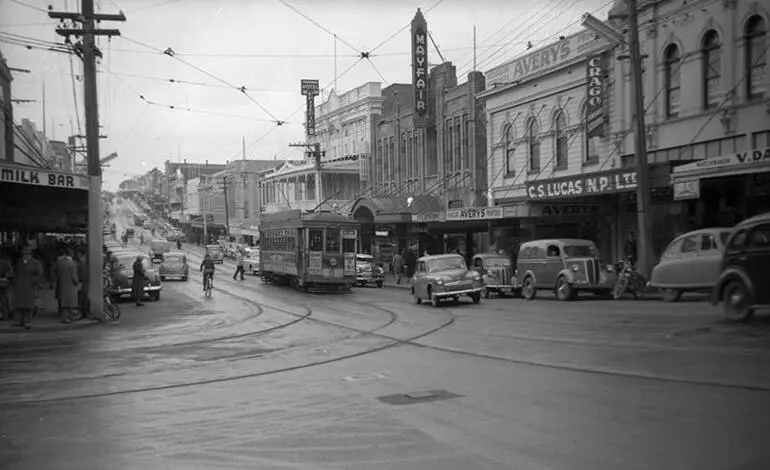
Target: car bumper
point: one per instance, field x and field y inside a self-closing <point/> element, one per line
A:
<point x="452" y="293"/>
<point x="369" y="278"/>
<point x="501" y="287"/>
<point x="174" y="274"/>
<point x="127" y="291"/>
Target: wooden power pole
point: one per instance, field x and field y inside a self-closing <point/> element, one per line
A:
<point x="87" y="18"/>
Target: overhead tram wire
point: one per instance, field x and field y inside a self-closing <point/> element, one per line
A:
<point x="27" y="5"/>
<point x="300" y="108"/>
<point x="242" y="89"/>
<point x="407" y="26"/>
<point x="326" y="30"/>
<point x="177" y="81"/>
<point x="287" y="55"/>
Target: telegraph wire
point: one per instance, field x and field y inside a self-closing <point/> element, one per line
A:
<point x="327" y="31"/>
<point x="177" y="81"/>
<point x="407" y="26"/>
<point x="371" y="62"/>
<point x="242" y="89"/>
<point x="290" y="116"/>
<point x="150" y="102"/>
<point x="32" y="7"/>
<point x="287" y="55"/>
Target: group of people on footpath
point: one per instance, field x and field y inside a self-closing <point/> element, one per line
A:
<point x="22" y="280"/>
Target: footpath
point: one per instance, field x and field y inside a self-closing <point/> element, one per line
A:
<point x="46" y="319"/>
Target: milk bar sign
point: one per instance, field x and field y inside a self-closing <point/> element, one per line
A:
<point x="43" y="178"/>
<point x="582" y="185"/>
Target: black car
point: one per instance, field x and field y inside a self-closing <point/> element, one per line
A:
<point x="743" y="283"/>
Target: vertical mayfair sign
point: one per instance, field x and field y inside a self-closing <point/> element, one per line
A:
<point x="310" y="90"/>
<point x="596" y="87"/>
<point x="420" y="68"/>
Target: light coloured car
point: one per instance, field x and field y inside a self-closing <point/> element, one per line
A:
<point x="691" y="263"/>
<point x="251" y="260"/>
<point x="216" y="253"/>
<point x="367" y="271"/>
<point x="440" y="277"/>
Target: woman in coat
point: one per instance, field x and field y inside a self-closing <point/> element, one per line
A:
<point x="137" y="284"/>
<point x="27" y="277"/>
<point x="67" y="286"/>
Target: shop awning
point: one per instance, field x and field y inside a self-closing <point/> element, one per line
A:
<point x="686" y="178"/>
<point x="39" y="200"/>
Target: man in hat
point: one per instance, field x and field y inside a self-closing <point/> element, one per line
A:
<point x="137" y="284"/>
<point x="27" y="277"/>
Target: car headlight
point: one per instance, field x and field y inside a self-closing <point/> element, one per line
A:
<point x="440" y="282"/>
<point x="574" y="268"/>
<point x="476" y="276"/>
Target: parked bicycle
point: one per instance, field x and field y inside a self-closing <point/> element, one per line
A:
<point x="111" y="309"/>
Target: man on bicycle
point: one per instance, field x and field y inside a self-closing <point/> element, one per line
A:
<point x="207" y="266"/>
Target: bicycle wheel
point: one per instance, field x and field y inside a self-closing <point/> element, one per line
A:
<point x="111" y="309"/>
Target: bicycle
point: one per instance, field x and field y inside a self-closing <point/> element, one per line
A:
<point x="209" y="283"/>
<point x="111" y="309"/>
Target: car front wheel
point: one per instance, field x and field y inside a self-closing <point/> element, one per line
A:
<point x="736" y="301"/>
<point x="476" y="297"/>
<point x="528" y="288"/>
<point x="564" y="291"/>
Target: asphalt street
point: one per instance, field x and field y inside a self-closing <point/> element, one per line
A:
<point x="263" y="377"/>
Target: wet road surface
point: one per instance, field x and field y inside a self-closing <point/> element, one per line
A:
<point x="263" y="377"/>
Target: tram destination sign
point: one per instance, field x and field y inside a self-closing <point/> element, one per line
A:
<point x="49" y="179"/>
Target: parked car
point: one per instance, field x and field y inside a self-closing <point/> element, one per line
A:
<point x="158" y="248"/>
<point x="216" y="252"/>
<point x="691" y="262"/>
<point x="438" y="277"/>
<point x="497" y="273"/>
<point x="367" y="271"/>
<point x="122" y="275"/>
<point x="565" y="266"/>
<point x="130" y="232"/>
<point x="743" y="285"/>
<point x="251" y="260"/>
<point x="174" y="265"/>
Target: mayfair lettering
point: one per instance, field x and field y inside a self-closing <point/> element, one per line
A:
<point x="37" y="178"/>
<point x="420" y="68"/>
<point x="586" y="185"/>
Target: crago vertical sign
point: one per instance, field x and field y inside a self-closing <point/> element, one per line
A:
<point x="596" y="87"/>
<point x="420" y="67"/>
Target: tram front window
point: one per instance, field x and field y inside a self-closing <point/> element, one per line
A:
<point x="333" y="240"/>
<point x="316" y="240"/>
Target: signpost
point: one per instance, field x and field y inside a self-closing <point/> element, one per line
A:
<point x="309" y="89"/>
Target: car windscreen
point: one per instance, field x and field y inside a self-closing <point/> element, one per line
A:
<point x="173" y="259"/>
<point x="497" y="262"/>
<point x="443" y="264"/>
<point x="365" y="259"/>
<point x="214" y="249"/>
<point x="580" y="251"/>
<point x="723" y="236"/>
<point x="127" y="263"/>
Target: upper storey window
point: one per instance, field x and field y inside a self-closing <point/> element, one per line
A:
<point x="756" y="56"/>
<point x="712" y="69"/>
<point x="672" y="80"/>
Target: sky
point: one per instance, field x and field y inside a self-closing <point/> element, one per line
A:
<point x="268" y="46"/>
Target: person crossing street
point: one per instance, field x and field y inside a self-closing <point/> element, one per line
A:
<point x="239" y="265"/>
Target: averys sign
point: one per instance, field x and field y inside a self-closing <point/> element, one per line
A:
<point x="34" y="177"/>
<point x="582" y="185"/>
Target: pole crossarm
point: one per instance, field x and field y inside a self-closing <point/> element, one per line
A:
<point x="79" y="17"/>
<point x="81" y="32"/>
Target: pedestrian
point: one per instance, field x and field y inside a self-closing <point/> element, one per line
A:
<point x="178" y="244"/>
<point x="6" y="274"/>
<point x="630" y="248"/>
<point x="238" y="265"/>
<point x="67" y="286"/>
<point x="137" y="284"/>
<point x="27" y="277"/>
<point x="83" y="304"/>
<point x="398" y="266"/>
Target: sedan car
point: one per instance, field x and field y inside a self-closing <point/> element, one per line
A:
<point x="690" y="263"/>
<point x="742" y="286"/>
<point x="440" y="277"/>
<point x="174" y="265"/>
<point x="123" y="275"/>
<point x="251" y="260"/>
<point x="498" y="274"/>
<point x="367" y="271"/>
<point x="216" y="253"/>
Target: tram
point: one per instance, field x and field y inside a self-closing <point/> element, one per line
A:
<point x="313" y="251"/>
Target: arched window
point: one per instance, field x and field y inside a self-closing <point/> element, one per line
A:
<point x="534" y="145"/>
<point x="673" y="80"/>
<point x="756" y="56"/>
<point x="712" y="69"/>
<point x="509" y="149"/>
<point x="590" y="144"/>
<point x="560" y="138"/>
